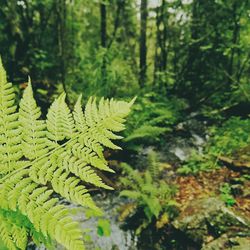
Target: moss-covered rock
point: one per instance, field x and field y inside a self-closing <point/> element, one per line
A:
<point x="225" y="243"/>
<point x="208" y="218"/>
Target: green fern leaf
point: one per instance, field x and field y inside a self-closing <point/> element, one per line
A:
<point x="6" y="235"/>
<point x="10" y="146"/>
<point x="42" y="157"/>
<point x="33" y="130"/>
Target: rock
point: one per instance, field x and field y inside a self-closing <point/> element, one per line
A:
<point x="246" y="192"/>
<point x="237" y="165"/>
<point x="239" y="159"/>
<point x="224" y="242"/>
<point x="208" y="218"/>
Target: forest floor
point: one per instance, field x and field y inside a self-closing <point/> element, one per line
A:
<point x="214" y="204"/>
<point x="207" y="184"/>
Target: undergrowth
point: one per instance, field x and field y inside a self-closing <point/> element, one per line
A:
<point x="224" y="140"/>
<point x="150" y="193"/>
<point x="153" y="117"/>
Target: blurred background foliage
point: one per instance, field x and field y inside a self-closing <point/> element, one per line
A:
<point x="196" y="50"/>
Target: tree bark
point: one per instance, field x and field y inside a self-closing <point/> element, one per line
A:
<point x="143" y="43"/>
<point x="236" y="31"/>
<point x="120" y="6"/>
<point x="61" y="28"/>
<point x="103" y="13"/>
<point x="160" y="64"/>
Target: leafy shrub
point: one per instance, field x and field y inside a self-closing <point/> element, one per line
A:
<point x="152" y="118"/>
<point x="41" y="158"/>
<point x="154" y="196"/>
<point x="231" y="136"/>
<point x="146" y="132"/>
<point x="226" y="194"/>
<point x="197" y="162"/>
<point x="90" y="79"/>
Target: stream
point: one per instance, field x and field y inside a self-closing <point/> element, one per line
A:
<point x="118" y="239"/>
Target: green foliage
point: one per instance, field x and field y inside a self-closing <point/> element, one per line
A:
<point x="226" y="194"/>
<point x="146" y="132"/>
<point x="153" y="166"/>
<point x="153" y="117"/>
<point x="232" y="135"/>
<point x="103" y="227"/>
<point x="204" y="58"/>
<point x="41" y="158"/>
<point x="197" y="162"/>
<point x="225" y="140"/>
<point x="155" y="197"/>
<point x="117" y="71"/>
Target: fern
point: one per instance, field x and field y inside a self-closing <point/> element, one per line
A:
<point x="42" y="157"/>
<point x="146" y="132"/>
<point x="153" y="165"/>
<point x="154" y="196"/>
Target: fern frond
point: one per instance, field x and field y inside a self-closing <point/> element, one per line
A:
<point x="146" y="131"/>
<point x="68" y="121"/>
<point x="12" y="232"/>
<point x="10" y="146"/>
<point x="130" y="194"/>
<point x="6" y="234"/>
<point x="71" y="188"/>
<point x="19" y="228"/>
<point x="42" y="210"/>
<point x="60" y="122"/>
<point x="108" y="117"/>
<point x="42" y="157"/>
<point x="80" y="168"/>
<point x="136" y="179"/>
<point x="19" y="235"/>
<point x="33" y="130"/>
<point x="83" y="152"/>
<point x="81" y="124"/>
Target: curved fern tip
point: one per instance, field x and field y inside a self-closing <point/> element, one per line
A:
<point x="3" y="77"/>
<point x="90" y="100"/>
<point x="110" y="170"/>
<point x="132" y="101"/>
<point x="79" y="100"/>
<point x="62" y="96"/>
<point x="29" y="80"/>
<point x="29" y="86"/>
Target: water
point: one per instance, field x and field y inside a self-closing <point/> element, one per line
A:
<point x="189" y="136"/>
<point x="118" y="239"/>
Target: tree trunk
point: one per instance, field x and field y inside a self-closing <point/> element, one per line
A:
<point x="157" y="47"/>
<point x="235" y="41"/>
<point x="119" y="9"/>
<point x="143" y="44"/>
<point x="61" y="28"/>
<point x="129" y="35"/>
<point x="103" y="13"/>
<point x="192" y="71"/>
<point x="160" y="64"/>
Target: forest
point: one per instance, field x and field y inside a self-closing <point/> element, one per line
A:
<point x="125" y="124"/>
